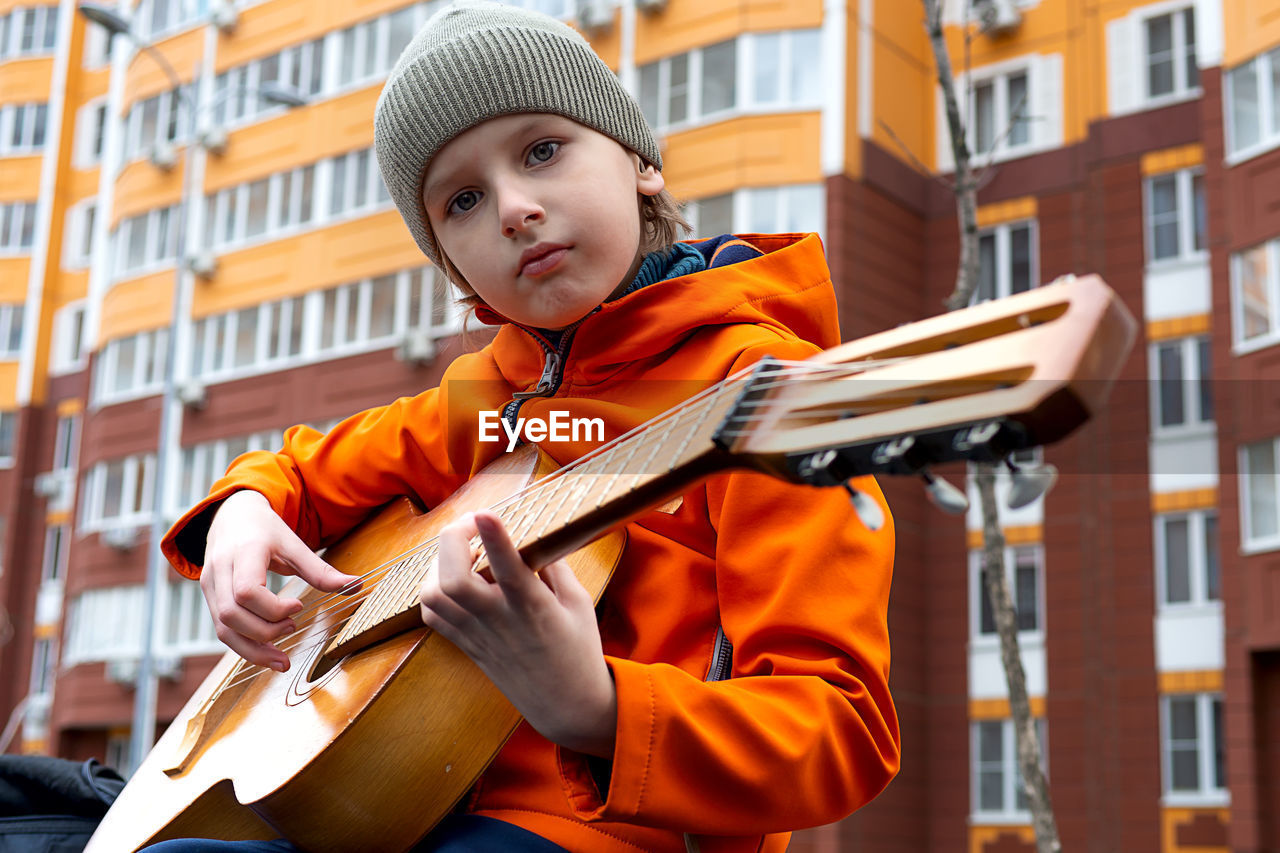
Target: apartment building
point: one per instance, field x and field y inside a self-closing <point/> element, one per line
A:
<point x="141" y="208"/>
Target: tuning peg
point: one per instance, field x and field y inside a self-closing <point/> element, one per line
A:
<point x="869" y="512"/>
<point x="1029" y="482"/>
<point x="945" y="496"/>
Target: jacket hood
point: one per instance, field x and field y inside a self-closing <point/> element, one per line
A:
<point x="787" y="289"/>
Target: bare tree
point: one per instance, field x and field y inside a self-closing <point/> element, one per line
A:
<point x="965" y="187"/>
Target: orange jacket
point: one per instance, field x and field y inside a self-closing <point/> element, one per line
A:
<point x="805" y="730"/>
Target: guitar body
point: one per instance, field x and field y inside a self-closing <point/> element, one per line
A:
<point x="381" y="745"/>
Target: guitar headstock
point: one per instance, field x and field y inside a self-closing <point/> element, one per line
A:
<point x="976" y="384"/>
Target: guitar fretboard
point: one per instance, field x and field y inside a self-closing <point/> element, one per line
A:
<point x="562" y="512"/>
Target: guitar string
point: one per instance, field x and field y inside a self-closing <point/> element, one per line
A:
<point x="775" y="378"/>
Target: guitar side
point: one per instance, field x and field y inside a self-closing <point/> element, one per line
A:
<point x="382" y="745"/>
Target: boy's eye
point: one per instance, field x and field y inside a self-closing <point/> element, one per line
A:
<point x="543" y="151"/>
<point x="464" y="201"/>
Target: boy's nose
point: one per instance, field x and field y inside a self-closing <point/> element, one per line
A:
<point x="518" y="212"/>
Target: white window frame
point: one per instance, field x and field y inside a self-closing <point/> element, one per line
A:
<point x="90" y="132"/>
<point x="1261" y="67"/>
<point x="44" y="31"/>
<point x="9" y="430"/>
<point x="744" y="208"/>
<point x="1026" y="636"/>
<point x="53" y="560"/>
<point x="1271" y="286"/>
<point x="1011" y="773"/>
<point x="137" y="478"/>
<point x="1194" y="420"/>
<point x="745" y="101"/>
<point x="1181" y="89"/>
<point x="1208" y="794"/>
<point x="20" y="216"/>
<point x="1004" y="255"/>
<point x="12" y="319"/>
<point x="1251" y="542"/>
<point x="70" y="349"/>
<point x="146" y="376"/>
<point x="105" y="624"/>
<point x="1185" y="211"/>
<point x="1197" y="560"/>
<point x="77" y="246"/>
<point x="160" y="250"/>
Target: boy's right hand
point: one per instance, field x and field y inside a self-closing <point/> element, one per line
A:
<point x="246" y="539"/>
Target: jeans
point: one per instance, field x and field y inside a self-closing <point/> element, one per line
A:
<point x="455" y="834"/>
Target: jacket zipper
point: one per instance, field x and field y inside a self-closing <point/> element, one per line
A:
<point x="552" y="372"/>
<point x="721" y="657"/>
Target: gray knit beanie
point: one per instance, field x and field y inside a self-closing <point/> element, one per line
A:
<point x="475" y="60"/>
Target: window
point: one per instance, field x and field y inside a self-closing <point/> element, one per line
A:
<point x="1177" y="221"/>
<point x="159" y="18"/>
<point x="90" y="133"/>
<point x="68" y="339"/>
<point x="1187" y="558"/>
<point x="203" y="464"/>
<point x="1024" y="569"/>
<point x="22" y="128"/>
<point x="1253" y="106"/>
<point x="28" y="32"/>
<point x="368" y="49"/>
<point x="997" y="787"/>
<point x="8" y="430"/>
<point x="355" y="183"/>
<point x="43" y="659"/>
<point x="156" y="121"/>
<point x="264" y="209"/>
<point x="756" y="70"/>
<point x="54" y="565"/>
<point x="131" y="367"/>
<point x="1255" y="295"/>
<point x="356" y="317"/>
<point x="1170" y="50"/>
<point x="1001" y="107"/>
<point x="105" y="624"/>
<point x="146" y="241"/>
<point x="11" y="320"/>
<point x="78" y="247"/>
<point x="1193" y="747"/>
<point x="1258" y="493"/>
<point x="1006" y="261"/>
<point x="118" y="493"/>
<point x="298" y="68"/>
<point x="799" y="208"/>
<point x="1182" y="373"/>
<point x="17" y="226"/>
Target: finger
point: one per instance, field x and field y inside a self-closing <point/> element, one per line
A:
<point x="560" y="578"/>
<point x="315" y="571"/>
<point x="454" y="562"/>
<point x="260" y="653"/>
<point x="248" y="587"/>
<point x="508" y="567"/>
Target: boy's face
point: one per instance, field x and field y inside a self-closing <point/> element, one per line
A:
<point x="539" y="214"/>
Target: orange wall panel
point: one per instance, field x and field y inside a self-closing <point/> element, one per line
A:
<point x="1250" y="27"/>
<point x="981" y="836"/>
<point x="137" y="305"/>
<point x="71" y="285"/>
<point x="20" y="178"/>
<point x="141" y="187"/>
<point x="756" y="151"/>
<point x="902" y="80"/>
<point x="607" y="43"/>
<point x="345" y="252"/>
<point x="25" y="81"/>
<point x="146" y="77"/>
<point x="295" y="138"/>
<point x="78" y="184"/>
<point x="14" y="272"/>
<point x="683" y="26"/>
<point x="9" y="385"/>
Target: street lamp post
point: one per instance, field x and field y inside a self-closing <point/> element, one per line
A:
<point x="144" y="709"/>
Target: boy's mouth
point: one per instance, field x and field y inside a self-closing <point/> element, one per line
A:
<point x="541" y="258"/>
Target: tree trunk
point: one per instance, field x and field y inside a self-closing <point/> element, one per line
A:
<point x="993" y="576"/>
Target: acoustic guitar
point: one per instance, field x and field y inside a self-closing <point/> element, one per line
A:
<point x="380" y="726"/>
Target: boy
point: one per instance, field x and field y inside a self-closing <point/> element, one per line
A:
<point x="524" y="169"/>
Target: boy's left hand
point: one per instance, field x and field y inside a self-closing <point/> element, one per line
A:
<point x="534" y="636"/>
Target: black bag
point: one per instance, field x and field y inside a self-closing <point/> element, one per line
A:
<point x="52" y="805"/>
